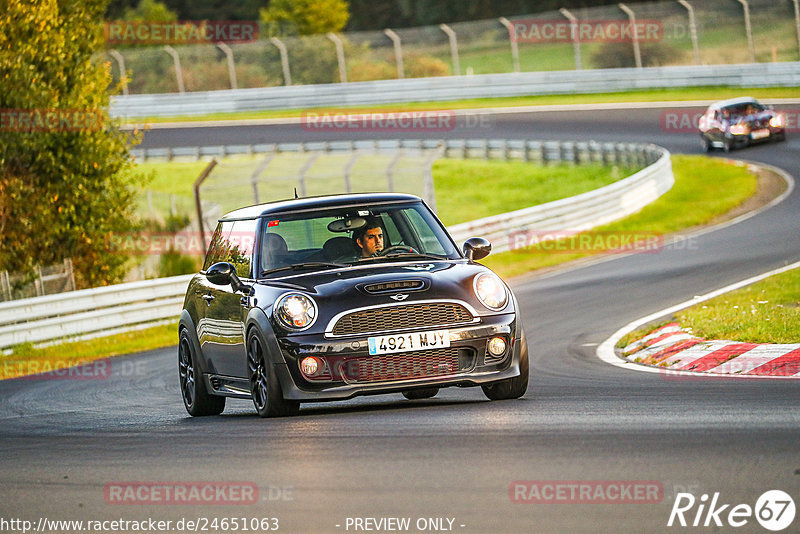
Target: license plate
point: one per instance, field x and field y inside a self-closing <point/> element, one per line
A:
<point x="434" y="339"/>
<point x="759" y="134"/>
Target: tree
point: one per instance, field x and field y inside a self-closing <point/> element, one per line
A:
<point x="150" y="11"/>
<point x="305" y="17"/>
<point x="66" y="178"/>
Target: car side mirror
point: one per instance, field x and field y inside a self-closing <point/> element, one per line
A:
<point x="476" y="248"/>
<point x="224" y="273"/>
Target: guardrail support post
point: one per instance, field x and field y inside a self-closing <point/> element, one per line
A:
<point x="451" y="36"/>
<point x="123" y="77"/>
<point x="177" y="62"/>
<point x="512" y="37"/>
<point x="287" y="75"/>
<point x="637" y="53"/>
<point x="339" y="57"/>
<point x="398" y="52"/>
<point x="797" y="22"/>
<point x="576" y="38"/>
<point x="748" y="30"/>
<point x="231" y="65"/>
<point x="693" y="29"/>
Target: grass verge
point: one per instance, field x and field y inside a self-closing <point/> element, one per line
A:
<point x="651" y="95"/>
<point x="26" y="360"/>
<point x="765" y="312"/>
<point x="704" y="189"/>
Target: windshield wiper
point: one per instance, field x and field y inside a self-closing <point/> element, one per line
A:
<point x="307" y="265"/>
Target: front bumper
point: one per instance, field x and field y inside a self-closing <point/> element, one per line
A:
<point x="468" y="345"/>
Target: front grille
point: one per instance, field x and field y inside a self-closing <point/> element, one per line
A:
<point x="406" y="316"/>
<point x="407" y="365"/>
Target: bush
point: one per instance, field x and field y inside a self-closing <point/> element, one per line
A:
<point x="421" y="66"/>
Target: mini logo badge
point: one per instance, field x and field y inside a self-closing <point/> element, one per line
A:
<point x="399" y="297"/>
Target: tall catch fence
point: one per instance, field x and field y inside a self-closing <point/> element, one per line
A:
<point x="669" y="32"/>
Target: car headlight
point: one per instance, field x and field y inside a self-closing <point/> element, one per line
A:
<point x="295" y="311"/>
<point x="778" y="121"/>
<point x="740" y="129"/>
<point x="491" y="291"/>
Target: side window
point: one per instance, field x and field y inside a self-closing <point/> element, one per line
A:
<point x="216" y="248"/>
<point x="241" y="243"/>
<point x="233" y="243"/>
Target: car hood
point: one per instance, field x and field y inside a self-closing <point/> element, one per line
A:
<point x="339" y="290"/>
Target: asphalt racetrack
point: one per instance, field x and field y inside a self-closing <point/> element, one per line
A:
<point x="451" y="463"/>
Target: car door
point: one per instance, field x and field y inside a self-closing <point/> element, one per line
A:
<point x="226" y="310"/>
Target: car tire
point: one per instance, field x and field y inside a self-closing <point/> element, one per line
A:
<point x="706" y="144"/>
<point x="780" y="137"/>
<point x="264" y="386"/>
<point x="727" y="144"/>
<point x="416" y="394"/>
<point x="196" y="398"/>
<point x="511" y="388"/>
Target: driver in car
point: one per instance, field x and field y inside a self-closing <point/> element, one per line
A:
<point x="369" y="239"/>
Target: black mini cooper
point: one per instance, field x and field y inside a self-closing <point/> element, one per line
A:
<point x="327" y="298"/>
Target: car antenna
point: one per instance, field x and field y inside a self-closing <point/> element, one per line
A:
<point x="295" y="193"/>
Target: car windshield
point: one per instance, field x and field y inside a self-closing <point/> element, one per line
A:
<point x="742" y="110"/>
<point x="346" y="236"/>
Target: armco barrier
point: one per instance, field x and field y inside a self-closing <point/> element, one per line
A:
<point x="580" y="212"/>
<point x="89" y="311"/>
<point x="135" y="304"/>
<point x="455" y="88"/>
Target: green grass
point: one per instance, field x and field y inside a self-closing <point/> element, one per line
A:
<point x="765" y="312"/>
<point x="494" y="187"/>
<point x="704" y="189"/>
<point x="25" y="359"/>
<point x="653" y="95"/>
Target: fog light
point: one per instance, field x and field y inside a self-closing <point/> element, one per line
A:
<point x="310" y="366"/>
<point x="497" y="346"/>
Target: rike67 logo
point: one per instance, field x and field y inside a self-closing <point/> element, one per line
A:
<point x="774" y="510"/>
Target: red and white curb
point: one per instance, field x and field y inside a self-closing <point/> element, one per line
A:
<point x="681" y="353"/>
<point x="673" y="348"/>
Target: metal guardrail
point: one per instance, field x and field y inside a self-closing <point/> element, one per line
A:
<point x="455" y="88"/>
<point x="133" y="305"/>
<point x="581" y="212"/>
<point x="89" y="311"/>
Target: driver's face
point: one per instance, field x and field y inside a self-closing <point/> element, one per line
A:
<point x="371" y="243"/>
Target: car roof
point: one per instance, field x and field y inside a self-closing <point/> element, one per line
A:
<point x="318" y="202"/>
<point x="735" y="102"/>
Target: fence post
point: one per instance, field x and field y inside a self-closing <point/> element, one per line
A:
<point x="123" y="78"/>
<point x="259" y="170"/>
<point x="390" y="169"/>
<point x="70" y="274"/>
<point x="231" y="65"/>
<point x="427" y="176"/>
<point x="287" y="75"/>
<point x="339" y="57"/>
<point x="637" y="53"/>
<point x="398" y="52"/>
<point x="177" y="62"/>
<point x="512" y="37"/>
<point x="198" y="206"/>
<point x="748" y="30"/>
<point x="575" y="34"/>
<point x="348" y="169"/>
<point x="797" y="22"/>
<point x="693" y="29"/>
<point x="451" y="36"/>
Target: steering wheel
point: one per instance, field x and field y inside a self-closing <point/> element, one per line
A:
<point x="395" y="248"/>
